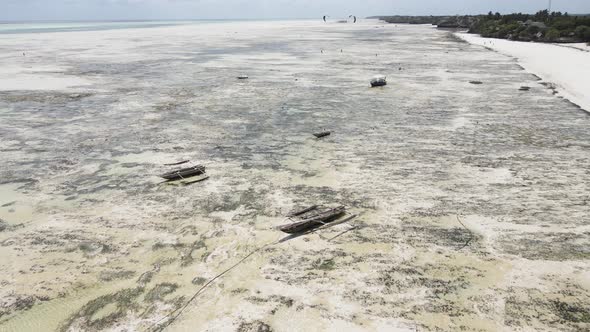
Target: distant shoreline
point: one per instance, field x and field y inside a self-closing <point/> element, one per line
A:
<point x="568" y="77"/>
<point x="543" y="26"/>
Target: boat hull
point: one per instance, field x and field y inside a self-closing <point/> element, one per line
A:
<point x="184" y="173"/>
<point x="314" y="221"/>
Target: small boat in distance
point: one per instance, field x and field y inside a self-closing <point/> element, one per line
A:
<point x="322" y="134"/>
<point x="378" y="80"/>
<point x="184" y="173"/>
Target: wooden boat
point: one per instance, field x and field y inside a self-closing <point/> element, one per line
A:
<point x="322" y="134"/>
<point x="524" y="88"/>
<point x="188" y="181"/>
<point x="302" y="211"/>
<point x="184" y="173"/>
<point x="378" y="81"/>
<point x="313" y="221"/>
<point x="177" y="163"/>
<point x="327" y="225"/>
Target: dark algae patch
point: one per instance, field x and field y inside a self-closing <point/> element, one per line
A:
<point x="255" y="326"/>
<point x="122" y="303"/>
<point x="160" y="291"/>
<point x="323" y="264"/>
<point x="573" y="313"/>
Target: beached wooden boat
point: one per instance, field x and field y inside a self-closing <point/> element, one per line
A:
<point x="322" y="134"/>
<point x="184" y="173"/>
<point x="187" y="181"/>
<point x="302" y="211"/>
<point x="313" y="221"/>
<point x="177" y="163"/>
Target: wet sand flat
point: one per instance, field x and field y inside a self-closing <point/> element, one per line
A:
<point x="473" y="200"/>
<point x="570" y="76"/>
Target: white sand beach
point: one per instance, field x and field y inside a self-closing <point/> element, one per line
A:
<point x="472" y="199"/>
<point x="566" y="66"/>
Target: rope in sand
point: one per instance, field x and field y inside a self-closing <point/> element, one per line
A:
<point x="470" y="234"/>
<point x="172" y="316"/>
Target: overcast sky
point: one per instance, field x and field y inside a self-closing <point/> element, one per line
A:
<point x="19" y="10"/>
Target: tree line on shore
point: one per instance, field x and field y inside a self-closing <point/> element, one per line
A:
<point x="542" y="26"/>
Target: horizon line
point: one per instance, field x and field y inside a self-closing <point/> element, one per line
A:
<point x="244" y="19"/>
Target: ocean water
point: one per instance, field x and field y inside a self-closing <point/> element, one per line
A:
<point x="46" y="27"/>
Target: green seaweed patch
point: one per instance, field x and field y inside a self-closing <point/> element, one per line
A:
<point x="199" y="281"/>
<point x="324" y="264"/>
<point x="21" y="303"/>
<point x="187" y="255"/>
<point x="55" y="98"/>
<point x="527" y="306"/>
<point x="145" y="277"/>
<point x="255" y="326"/>
<point x="115" y="275"/>
<point x="94" y="247"/>
<point x="572" y="312"/>
<point x="159" y="292"/>
<point x="3" y="225"/>
<point x="158" y="246"/>
<point x="547" y="246"/>
<point x="405" y="278"/>
<point x="105" y="310"/>
<point x="239" y="290"/>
